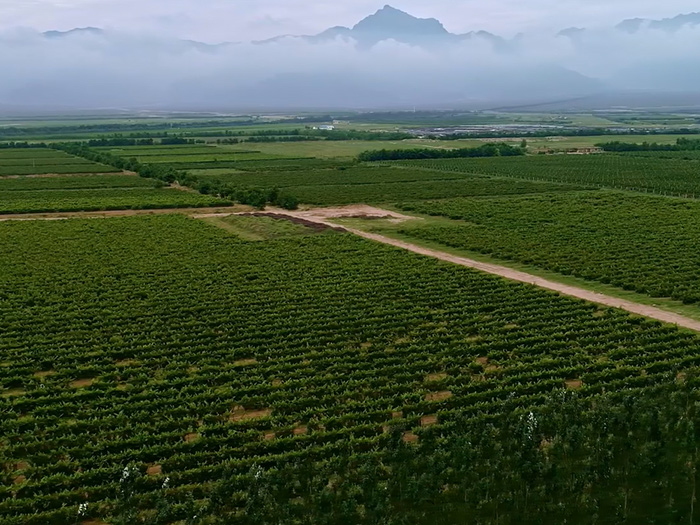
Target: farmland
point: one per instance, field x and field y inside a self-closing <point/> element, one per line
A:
<point x="593" y="236"/>
<point x="35" y="201"/>
<point x="224" y="354"/>
<point x="38" y="161"/>
<point x="246" y="366"/>
<point x="655" y="175"/>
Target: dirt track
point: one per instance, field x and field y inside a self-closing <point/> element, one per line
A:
<point x="324" y="216"/>
<point x="502" y="271"/>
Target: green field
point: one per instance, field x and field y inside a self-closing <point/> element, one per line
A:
<point x="205" y="367"/>
<point x="655" y="175"/>
<point x="82" y="182"/>
<point x="100" y="199"/>
<point x="213" y="361"/>
<point x="34" y="161"/>
<point x="633" y="242"/>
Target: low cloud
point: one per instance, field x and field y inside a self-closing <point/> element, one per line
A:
<point x="130" y="70"/>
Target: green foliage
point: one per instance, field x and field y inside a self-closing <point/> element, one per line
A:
<point x="637" y="242"/>
<point x="193" y="346"/>
<point x="82" y="182"/>
<point x="487" y="150"/>
<point x="99" y="199"/>
<point x="668" y="177"/>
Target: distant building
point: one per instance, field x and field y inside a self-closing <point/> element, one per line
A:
<point x="326" y="128"/>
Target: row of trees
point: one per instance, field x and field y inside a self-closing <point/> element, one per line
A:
<point x="257" y="197"/>
<point x="487" y="150"/>
<point x="682" y="144"/>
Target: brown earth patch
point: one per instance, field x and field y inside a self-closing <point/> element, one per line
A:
<point x="427" y="421"/>
<point x="483" y="361"/>
<point x="398" y="414"/>
<point x="154" y="470"/>
<point x="44" y="373"/>
<point x="431" y="378"/>
<point x="301" y="430"/>
<point x="410" y="437"/>
<point x="19" y="480"/>
<point x="269" y="436"/>
<point x="239" y="413"/>
<point x="14" y="392"/>
<point x="245" y="362"/>
<point x="82" y="383"/>
<point x="277" y="382"/>
<point x="681" y="377"/>
<point x="127" y="362"/>
<point x="438" y="396"/>
<point x="574" y="384"/>
<point x="192" y="436"/>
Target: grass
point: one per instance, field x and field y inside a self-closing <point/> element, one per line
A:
<point x="252" y="228"/>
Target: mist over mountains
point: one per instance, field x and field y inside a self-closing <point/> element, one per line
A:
<point x="387" y="60"/>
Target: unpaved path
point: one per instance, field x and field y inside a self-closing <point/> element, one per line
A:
<point x="323" y="216"/>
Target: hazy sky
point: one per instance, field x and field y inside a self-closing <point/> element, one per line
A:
<point x="233" y="20"/>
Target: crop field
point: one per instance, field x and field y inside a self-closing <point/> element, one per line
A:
<point x="82" y="182"/>
<point x="33" y="161"/>
<point x="99" y="199"/>
<point x="214" y="157"/>
<point x="262" y="164"/>
<point x="664" y="176"/>
<point x="635" y="242"/>
<point x="677" y="155"/>
<point x="327" y="195"/>
<point x="377" y="184"/>
<point x="160" y="347"/>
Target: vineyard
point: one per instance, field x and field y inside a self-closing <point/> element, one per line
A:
<point x="102" y="199"/>
<point x="636" y="242"/>
<point x="154" y="368"/>
<point x="626" y="172"/>
<point x="43" y="161"/>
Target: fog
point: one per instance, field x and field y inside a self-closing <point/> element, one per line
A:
<point x="116" y="69"/>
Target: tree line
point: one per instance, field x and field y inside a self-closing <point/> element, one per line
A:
<point x="256" y="197"/>
<point x="487" y="150"/>
<point x="682" y="144"/>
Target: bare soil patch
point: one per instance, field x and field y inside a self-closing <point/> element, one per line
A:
<point x="397" y="415"/>
<point x="191" y="437"/>
<point x="269" y="436"/>
<point x="427" y="421"/>
<point x="126" y="363"/>
<point x="14" y="392"/>
<point x="301" y="430"/>
<point x="438" y="396"/>
<point x="154" y="470"/>
<point x="239" y="413"/>
<point x="574" y="384"/>
<point x="82" y="383"/>
<point x="410" y="437"/>
<point x="434" y="378"/>
<point x="245" y="362"/>
<point x="44" y="373"/>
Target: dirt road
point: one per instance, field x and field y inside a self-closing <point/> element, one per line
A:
<point x="324" y="216"/>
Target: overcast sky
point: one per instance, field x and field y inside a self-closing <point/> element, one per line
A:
<point x="234" y="20"/>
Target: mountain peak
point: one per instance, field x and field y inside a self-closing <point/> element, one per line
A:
<point x="76" y="31"/>
<point x="390" y="23"/>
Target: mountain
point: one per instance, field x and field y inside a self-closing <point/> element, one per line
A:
<point x="78" y="31"/>
<point x="390" y="23"/>
<point x="671" y="25"/>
